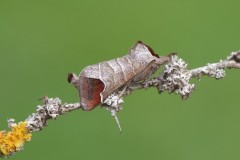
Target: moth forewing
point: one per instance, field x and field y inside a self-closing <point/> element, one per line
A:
<point x="96" y="82"/>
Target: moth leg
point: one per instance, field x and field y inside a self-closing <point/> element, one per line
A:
<point x="123" y="91"/>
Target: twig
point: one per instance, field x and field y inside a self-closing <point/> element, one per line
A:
<point x="174" y="79"/>
<point x="51" y="109"/>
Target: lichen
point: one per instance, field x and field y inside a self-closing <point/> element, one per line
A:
<point x="176" y="78"/>
<point x="13" y="141"/>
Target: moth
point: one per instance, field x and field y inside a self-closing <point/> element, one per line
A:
<point x="96" y="82"/>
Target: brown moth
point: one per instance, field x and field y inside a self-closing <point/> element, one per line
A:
<point x="96" y="82"/>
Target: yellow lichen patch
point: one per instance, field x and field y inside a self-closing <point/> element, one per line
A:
<point x="13" y="141"/>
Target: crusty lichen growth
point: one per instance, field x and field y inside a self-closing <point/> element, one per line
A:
<point x="13" y="141"/>
<point x="217" y="70"/>
<point x="51" y="109"/>
<point x="114" y="102"/>
<point x="175" y="78"/>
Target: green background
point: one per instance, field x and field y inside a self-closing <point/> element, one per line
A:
<point x="42" y="41"/>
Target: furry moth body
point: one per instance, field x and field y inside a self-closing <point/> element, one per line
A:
<point x="96" y="82"/>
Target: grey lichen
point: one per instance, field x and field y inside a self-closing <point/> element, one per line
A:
<point x="212" y="70"/>
<point x="175" y="78"/>
<point x="51" y="109"/>
<point x="235" y="56"/>
<point x="11" y="123"/>
<point x="113" y="101"/>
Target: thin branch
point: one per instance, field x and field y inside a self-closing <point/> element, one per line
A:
<point x="174" y="78"/>
<point x="51" y="109"/>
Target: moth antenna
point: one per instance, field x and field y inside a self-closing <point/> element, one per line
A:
<point x="113" y="113"/>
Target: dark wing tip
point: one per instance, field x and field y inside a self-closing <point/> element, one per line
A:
<point x="149" y="48"/>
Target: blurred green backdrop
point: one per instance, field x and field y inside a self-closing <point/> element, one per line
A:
<point x="41" y="41"/>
